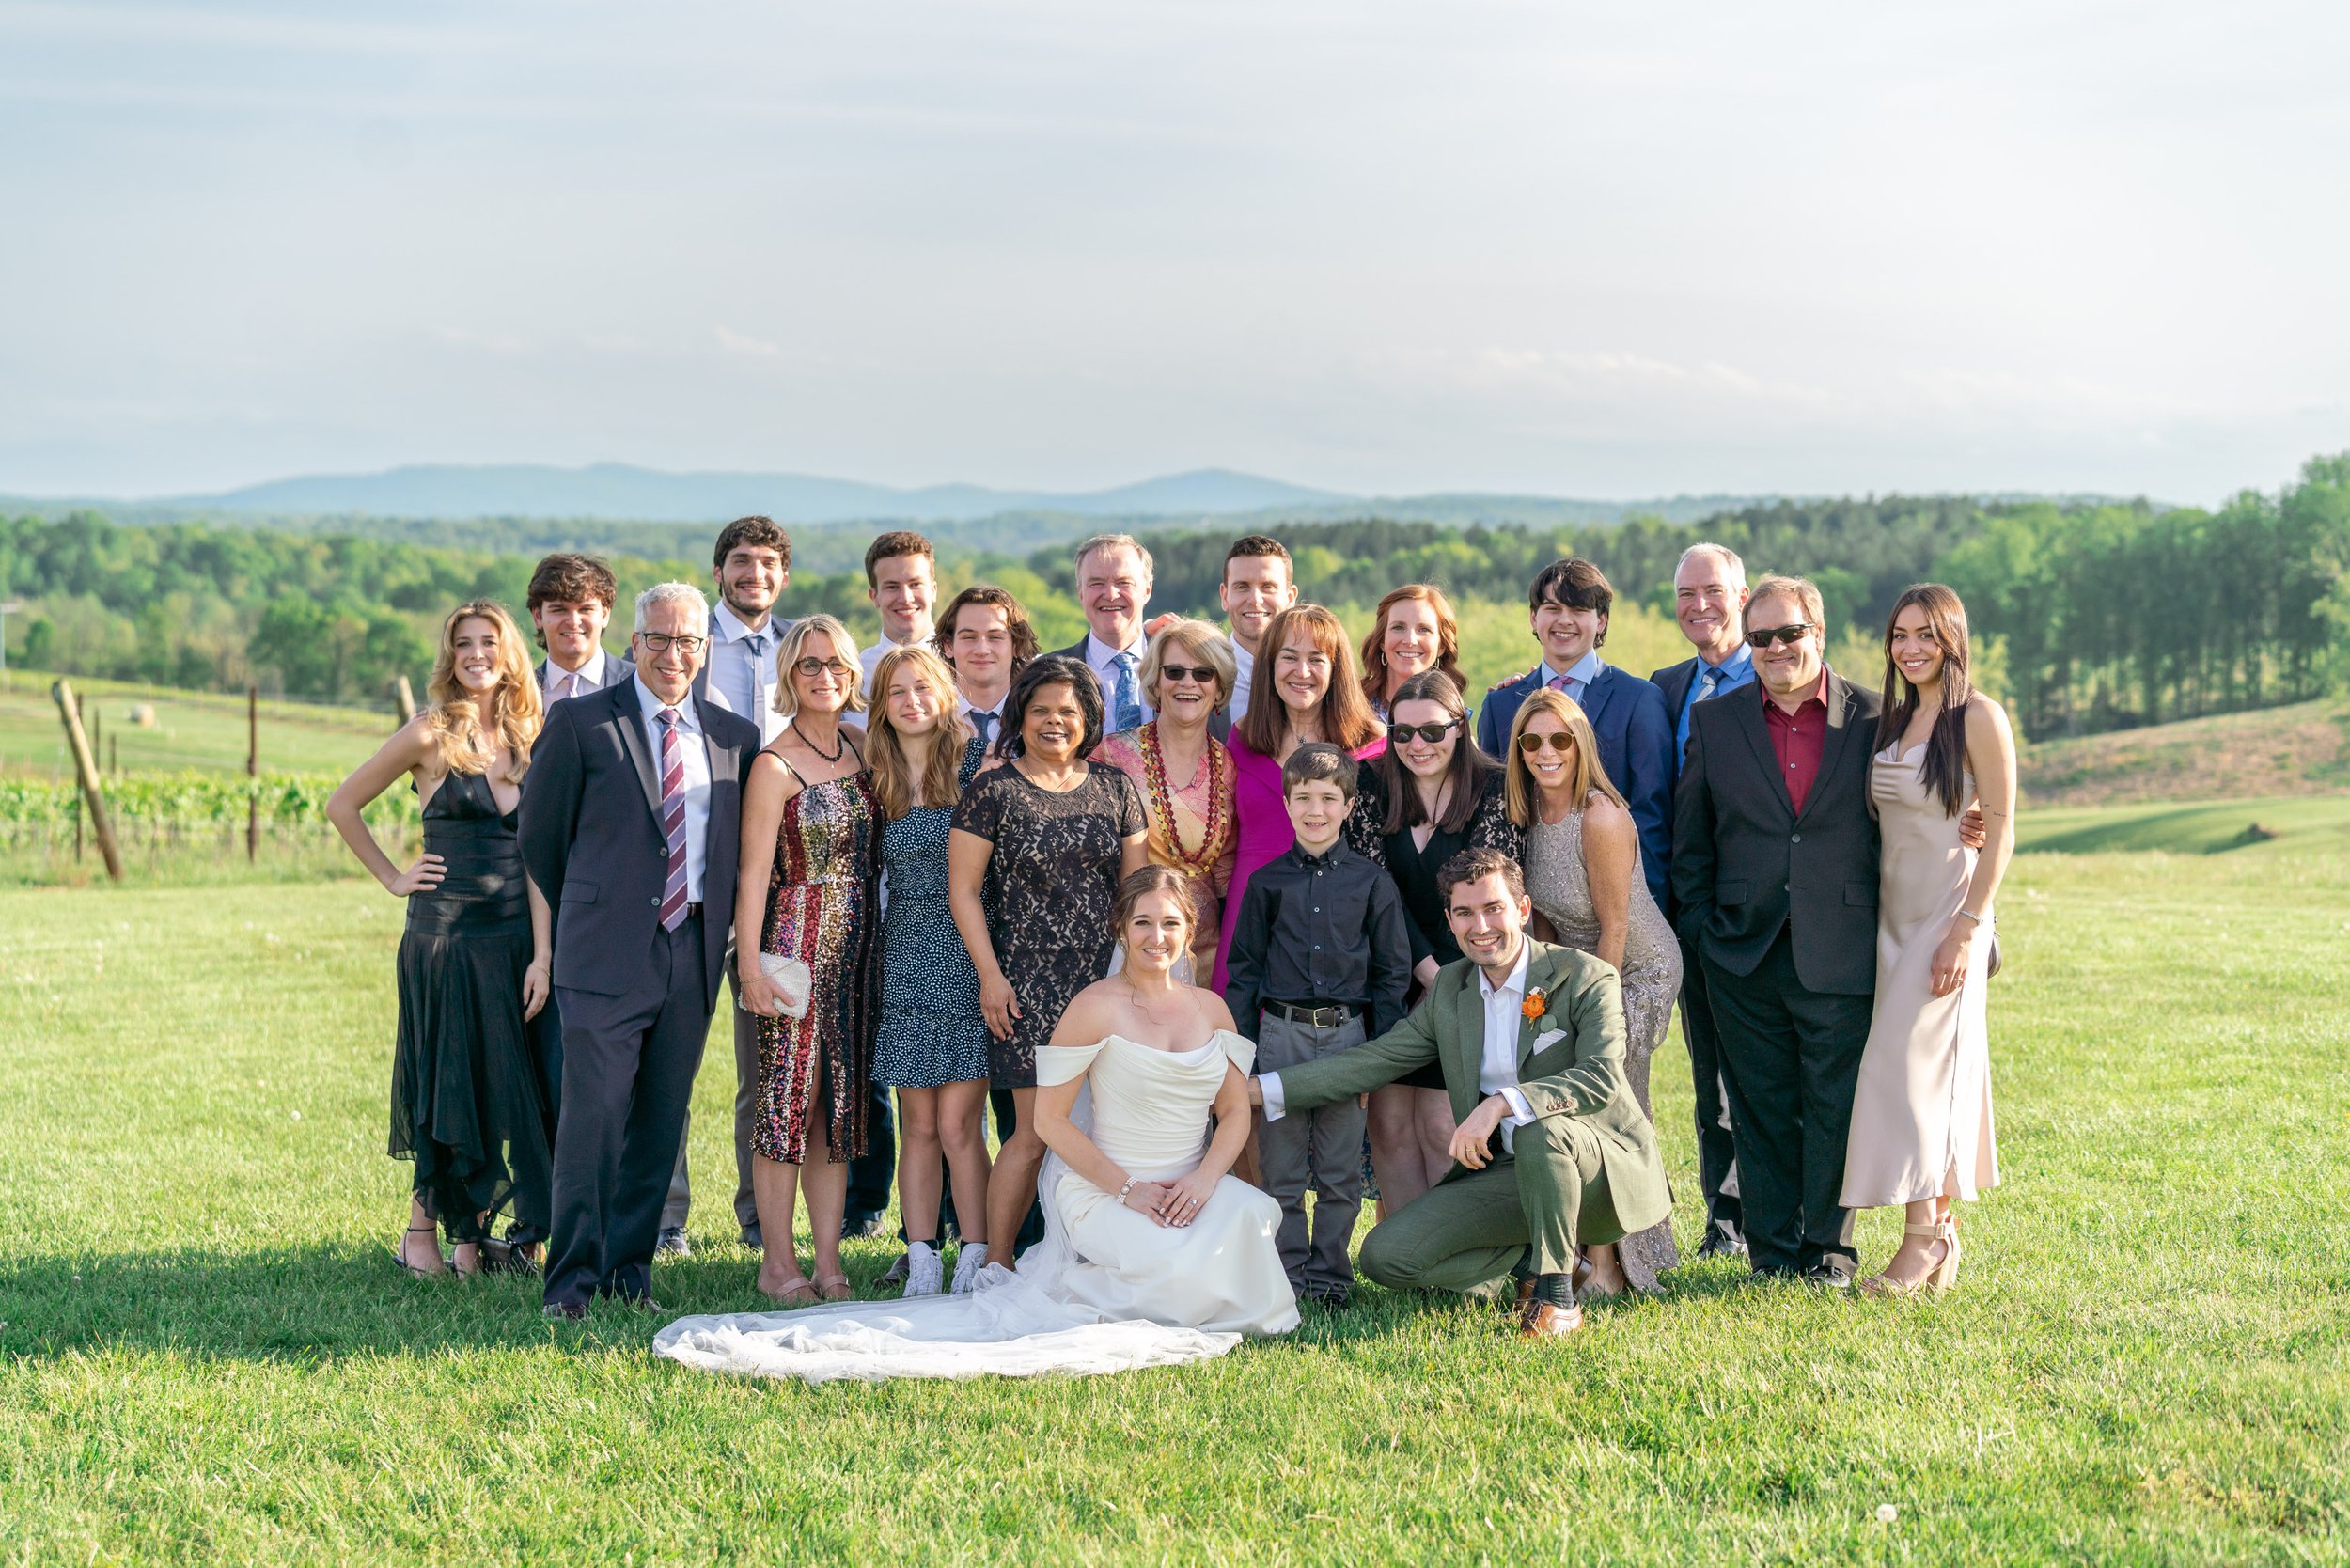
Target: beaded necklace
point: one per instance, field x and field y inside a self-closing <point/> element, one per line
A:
<point x="1201" y="861"/>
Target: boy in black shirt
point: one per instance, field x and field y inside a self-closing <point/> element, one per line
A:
<point x="1319" y="962"/>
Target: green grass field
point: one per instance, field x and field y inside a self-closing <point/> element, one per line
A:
<point x="204" y="730"/>
<point x="205" y="1356"/>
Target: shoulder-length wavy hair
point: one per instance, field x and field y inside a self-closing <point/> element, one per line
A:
<point x="843" y="647"/>
<point x="1466" y="772"/>
<point x="895" y="787"/>
<point x="1053" y="669"/>
<point x="1205" y="643"/>
<point x="1945" y="770"/>
<point x="1519" y="792"/>
<point x="1447" y="640"/>
<point x="454" y="720"/>
<point x="1344" y="718"/>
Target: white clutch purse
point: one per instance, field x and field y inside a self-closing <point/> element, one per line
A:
<point x="791" y="980"/>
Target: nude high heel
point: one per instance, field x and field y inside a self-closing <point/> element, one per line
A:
<point x="1940" y="1278"/>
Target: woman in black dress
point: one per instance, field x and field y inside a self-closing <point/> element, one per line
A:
<point x="1436" y="794"/>
<point x="469" y="1104"/>
<point x="1038" y="850"/>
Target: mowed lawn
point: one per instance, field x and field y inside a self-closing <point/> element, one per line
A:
<point x="205" y="1354"/>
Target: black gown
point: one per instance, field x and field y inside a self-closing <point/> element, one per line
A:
<point x="469" y="1103"/>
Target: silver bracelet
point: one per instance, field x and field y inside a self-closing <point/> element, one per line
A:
<point x="1970" y="914"/>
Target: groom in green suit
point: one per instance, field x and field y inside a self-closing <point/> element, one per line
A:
<point x="1551" y="1151"/>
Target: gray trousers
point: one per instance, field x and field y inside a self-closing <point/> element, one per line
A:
<point x="680" y="1197"/>
<point x="1322" y="1147"/>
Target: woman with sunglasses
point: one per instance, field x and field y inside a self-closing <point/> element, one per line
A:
<point x="1583" y="872"/>
<point x="1184" y="774"/>
<point x="808" y="887"/>
<point x="1437" y="795"/>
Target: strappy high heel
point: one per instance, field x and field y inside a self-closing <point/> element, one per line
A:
<point x="1940" y="1278"/>
<point x="401" y="1261"/>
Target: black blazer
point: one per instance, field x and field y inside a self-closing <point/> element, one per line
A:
<point x="1744" y="864"/>
<point x="593" y="839"/>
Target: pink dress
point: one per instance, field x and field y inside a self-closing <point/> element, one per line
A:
<point x="1261" y="828"/>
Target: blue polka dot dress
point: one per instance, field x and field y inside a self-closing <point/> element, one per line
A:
<point x="931" y="1032"/>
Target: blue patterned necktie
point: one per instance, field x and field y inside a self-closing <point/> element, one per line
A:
<point x="1706" y="682"/>
<point x="983" y="725"/>
<point x="1125" y="703"/>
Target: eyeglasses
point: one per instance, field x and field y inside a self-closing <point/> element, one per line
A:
<point x="661" y="642"/>
<point x="1431" y="733"/>
<point x="813" y="668"/>
<point x="1201" y="673"/>
<point x="1762" y="637"/>
<point x="1562" y="744"/>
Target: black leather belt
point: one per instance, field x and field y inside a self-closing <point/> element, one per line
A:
<point x="1321" y="1015"/>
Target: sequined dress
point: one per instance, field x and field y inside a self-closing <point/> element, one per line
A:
<point x="822" y="903"/>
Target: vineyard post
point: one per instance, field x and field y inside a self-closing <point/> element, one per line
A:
<point x="253" y="773"/>
<point x="85" y="766"/>
<point x="403" y="701"/>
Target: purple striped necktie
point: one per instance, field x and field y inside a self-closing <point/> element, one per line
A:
<point x="673" y="821"/>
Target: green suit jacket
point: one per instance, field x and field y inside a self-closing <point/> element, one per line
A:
<point x="1570" y="1064"/>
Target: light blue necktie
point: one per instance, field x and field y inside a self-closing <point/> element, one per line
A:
<point x="756" y="647"/>
<point x="1125" y="703"/>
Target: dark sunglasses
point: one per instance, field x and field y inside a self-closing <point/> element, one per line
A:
<point x="1201" y="673"/>
<point x="1762" y="637"/>
<point x="1562" y="744"/>
<point x="1431" y="733"/>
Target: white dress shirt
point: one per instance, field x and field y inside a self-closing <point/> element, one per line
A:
<point x="1245" y="663"/>
<point x="873" y="657"/>
<point x="562" y="683"/>
<point x="1497" y="1064"/>
<point x="745" y="683"/>
<point x="995" y="730"/>
<point x="694" y="751"/>
<point x="1579" y="675"/>
<point x="1102" y="660"/>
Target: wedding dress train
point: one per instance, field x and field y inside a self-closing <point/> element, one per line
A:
<point x="1106" y="1289"/>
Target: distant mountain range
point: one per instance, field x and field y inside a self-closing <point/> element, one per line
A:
<point x="616" y="491"/>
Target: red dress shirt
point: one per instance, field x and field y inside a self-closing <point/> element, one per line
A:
<point x="1797" y="738"/>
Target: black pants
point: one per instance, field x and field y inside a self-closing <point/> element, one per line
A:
<point x="1716" y="1154"/>
<point x="547" y="1033"/>
<point x="629" y="1064"/>
<point x="871" y="1173"/>
<point x="1790" y="1057"/>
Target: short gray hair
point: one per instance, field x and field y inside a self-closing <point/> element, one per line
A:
<point x="673" y="593"/>
<point x="1117" y="542"/>
<point x="1735" y="568"/>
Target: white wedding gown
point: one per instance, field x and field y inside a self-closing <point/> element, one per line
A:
<point x="1106" y="1289"/>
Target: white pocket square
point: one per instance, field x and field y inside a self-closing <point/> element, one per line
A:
<point x="1548" y="1038"/>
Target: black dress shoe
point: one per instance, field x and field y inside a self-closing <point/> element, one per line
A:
<point x="1332" y="1298"/>
<point x="860" y="1227"/>
<point x="568" y="1311"/>
<point x="671" y="1243"/>
<point x="1829" y="1274"/>
<point x="1721" y="1241"/>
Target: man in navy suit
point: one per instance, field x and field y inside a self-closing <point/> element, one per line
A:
<point x="631" y="825"/>
<point x="1710" y="604"/>
<point x="1567" y="605"/>
<point x="570" y="599"/>
<point x="1114" y="574"/>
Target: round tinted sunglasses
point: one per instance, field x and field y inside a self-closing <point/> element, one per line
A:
<point x="1562" y="744"/>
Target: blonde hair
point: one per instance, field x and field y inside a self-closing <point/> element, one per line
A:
<point x="454" y="719"/>
<point x="1206" y="644"/>
<point x="843" y="647"/>
<point x="885" y="749"/>
<point x="1519" y="792"/>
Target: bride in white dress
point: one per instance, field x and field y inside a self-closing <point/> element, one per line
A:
<point x="1152" y="1254"/>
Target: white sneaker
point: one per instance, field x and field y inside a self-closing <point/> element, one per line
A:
<point x="969" y="1263"/>
<point x="923" y="1270"/>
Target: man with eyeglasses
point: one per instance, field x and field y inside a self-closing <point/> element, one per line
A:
<point x="630" y="827"/>
<point x="1775" y="873"/>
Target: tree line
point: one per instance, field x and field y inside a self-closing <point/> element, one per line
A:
<point x="2103" y="615"/>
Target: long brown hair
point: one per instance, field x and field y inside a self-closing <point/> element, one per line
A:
<point x="885" y="748"/>
<point x="1447" y="637"/>
<point x="454" y="721"/>
<point x="1468" y="773"/>
<point x="1521" y="793"/>
<point x="1945" y="770"/>
<point x="1345" y="717"/>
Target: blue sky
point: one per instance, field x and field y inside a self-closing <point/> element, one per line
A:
<point x="1379" y="247"/>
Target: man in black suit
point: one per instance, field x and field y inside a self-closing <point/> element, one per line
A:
<point x="629" y="824"/>
<point x="1775" y="870"/>
<point x="1114" y="574"/>
<point x="1710" y="604"/>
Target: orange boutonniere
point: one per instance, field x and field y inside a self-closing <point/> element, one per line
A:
<point x="1537" y="1003"/>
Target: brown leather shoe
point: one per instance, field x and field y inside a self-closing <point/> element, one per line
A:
<point x="1540" y="1320"/>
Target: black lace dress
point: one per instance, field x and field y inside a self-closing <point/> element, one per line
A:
<point x="469" y="1103"/>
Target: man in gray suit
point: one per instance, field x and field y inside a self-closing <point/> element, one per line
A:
<point x="631" y="823"/>
<point x="1775" y="873"/>
<point x="570" y="599"/>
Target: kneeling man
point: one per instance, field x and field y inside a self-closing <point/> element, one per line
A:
<point x="1551" y="1151"/>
